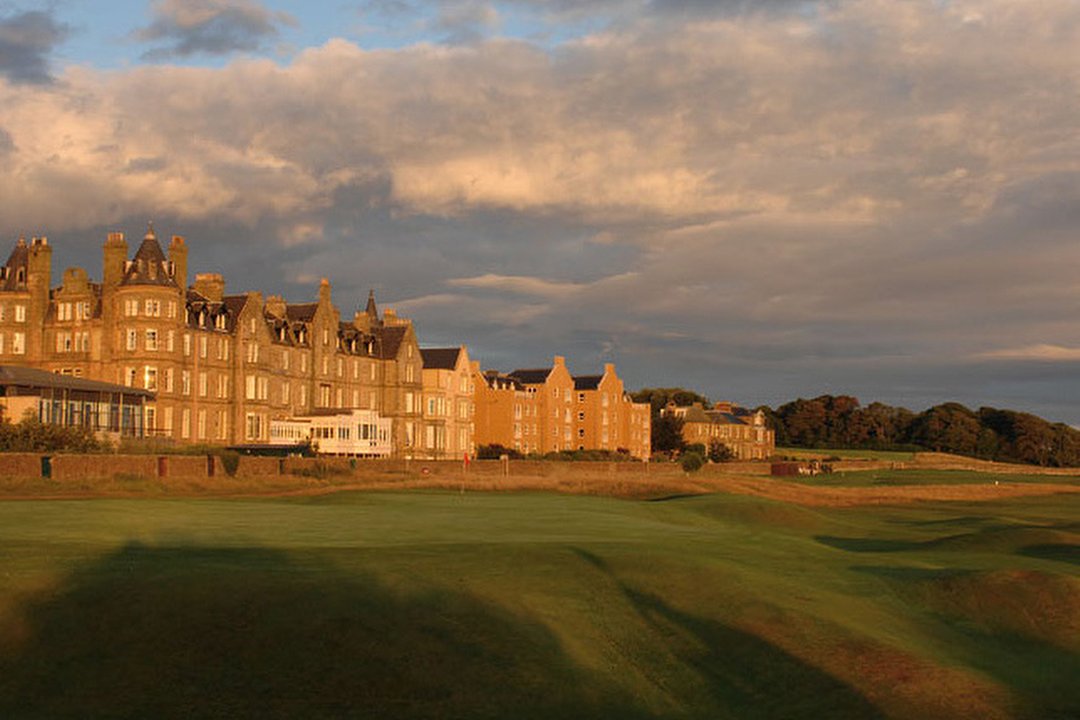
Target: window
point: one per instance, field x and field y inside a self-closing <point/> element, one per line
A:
<point x="373" y="372"/>
<point x="202" y="424"/>
<point x="249" y="387"/>
<point x="185" y="423"/>
<point x="63" y="342"/>
<point x="325" y="365"/>
<point x="131" y="307"/>
<point x="129" y="376"/>
<point x="226" y="344"/>
<point x="409" y="373"/>
<point x="581" y="416"/>
<point x="303" y="396"/>
<point x="202" y="346"/>
<point x="169" y="382"/>
<point x="219" y="321"/>
<point x="355" y="370"/>
<point x="431" y="406"/>
<point x="338" y="398"/>
<point x="18" y="343"/>
<point x="202" y="385"/>
<point x="223" y="386"/>
<point x="581" y="432"/>
<point x="285" y="360"/>
<point x="340" y="367"/>
<point x="303" y="362"/>
<point x="253" y="426"/>
<point x="172" y="308"/>
<point x="132" y="338"/>
<point x="285" y="391"/>
<point x="187" y="344"/>
<point x="185" y="382"/>
<point x="153" y="308"/>
<point x="324" y="396"/>
<point x="150" y="378"/>
<point x="325" y="337"/>
<point x="223" y="425"/>
<point x="1" y="343"/>
<point x="151" y="339"/>
<point x="63" y="311"/>
<point x="263" y="388"/>
<point x="252" y="352"/>
<point x="581" y="397"/>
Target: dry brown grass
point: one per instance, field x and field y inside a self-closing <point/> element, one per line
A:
<point x="636" y="486"/>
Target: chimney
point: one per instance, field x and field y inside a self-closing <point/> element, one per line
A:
<point x="210" y="285"/>
<point x="178" y="258"/>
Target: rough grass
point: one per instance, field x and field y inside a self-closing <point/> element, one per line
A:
<point x="450" y="605"/>
<point x="817" y="453"/>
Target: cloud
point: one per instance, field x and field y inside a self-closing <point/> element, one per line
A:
<point x="517" y="284"/>
<point x="212" y="27"/>
<point x="26" y="41"/>
<point x="864" y="196"/>
<point x="1034" y="353"/>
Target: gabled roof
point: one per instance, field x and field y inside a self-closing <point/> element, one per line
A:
<point x="587" y="382"/>
<point x="389" y="341"/>
<point x="532" y="376"/>
<point x="149" y="266"/>
<point x="440" y="358"/>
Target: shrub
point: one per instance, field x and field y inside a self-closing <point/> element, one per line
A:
<point x="719" y="452"/>
<point x="495" y="451"/>
<point x="692" y="461"/>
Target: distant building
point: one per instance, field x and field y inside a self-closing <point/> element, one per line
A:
<point x="359" y="433"/>
<point x="448" y="410"/>
<point x="549" y="410"/>
<point x="744" y="431"/>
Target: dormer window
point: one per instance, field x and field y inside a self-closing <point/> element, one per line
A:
<point x="202" y="318"/>
<point x="219" y="321"/>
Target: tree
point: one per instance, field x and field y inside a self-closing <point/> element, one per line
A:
<point x="719" y="452"/>
<point x="667" y="434"/>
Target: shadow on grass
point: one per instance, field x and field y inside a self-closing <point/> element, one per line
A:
<point x="868" y="545"/>
<point x="162" y="632"/>
<point x="1061" y="552"/>
<point x="746" y="676"/>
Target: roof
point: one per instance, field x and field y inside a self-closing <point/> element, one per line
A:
<point x="493" y="377"/>
<point x="20" y="376"/>
<point x="390" y="339"/>
<point x="533" y="376"/>
<point x="587" y="382"/>
<point x="302" y="311"/>
<point x="19" y="258"/>
<point x="149" y="266"/>
<point x="440" y="358"/>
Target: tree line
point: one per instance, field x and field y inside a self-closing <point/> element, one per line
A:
<point x="840" y="421"/>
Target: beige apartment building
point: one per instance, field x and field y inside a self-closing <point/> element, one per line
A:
<point x="549" y="410"/>
<point x="221" y="366"/>
<point x="448" y="404"/>
<point x="744" y="431"/>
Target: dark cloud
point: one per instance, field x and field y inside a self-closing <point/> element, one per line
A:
<point x="26" y="41"/>
<point x="212" y="27"/>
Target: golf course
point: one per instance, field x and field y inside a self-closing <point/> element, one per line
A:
<point x="444" y="604"/>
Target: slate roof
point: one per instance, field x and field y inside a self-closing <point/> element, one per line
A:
<point x="149" y="267"/>
<point x="494" y="376"/>
<point x="587" y="382"/>
<point x="533" y="376"/>
<point x="440" y="358"/>
<point x="19" y="376"/>
<point x="304" y="312"/>
<point x="388" y="341"/>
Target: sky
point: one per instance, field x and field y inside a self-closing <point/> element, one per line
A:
<point x="759" y="200"/>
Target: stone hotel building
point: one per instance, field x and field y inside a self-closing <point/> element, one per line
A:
<point x="221" y="366"/>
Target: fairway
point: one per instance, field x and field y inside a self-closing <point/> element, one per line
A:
<point x="450" y="605"/>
